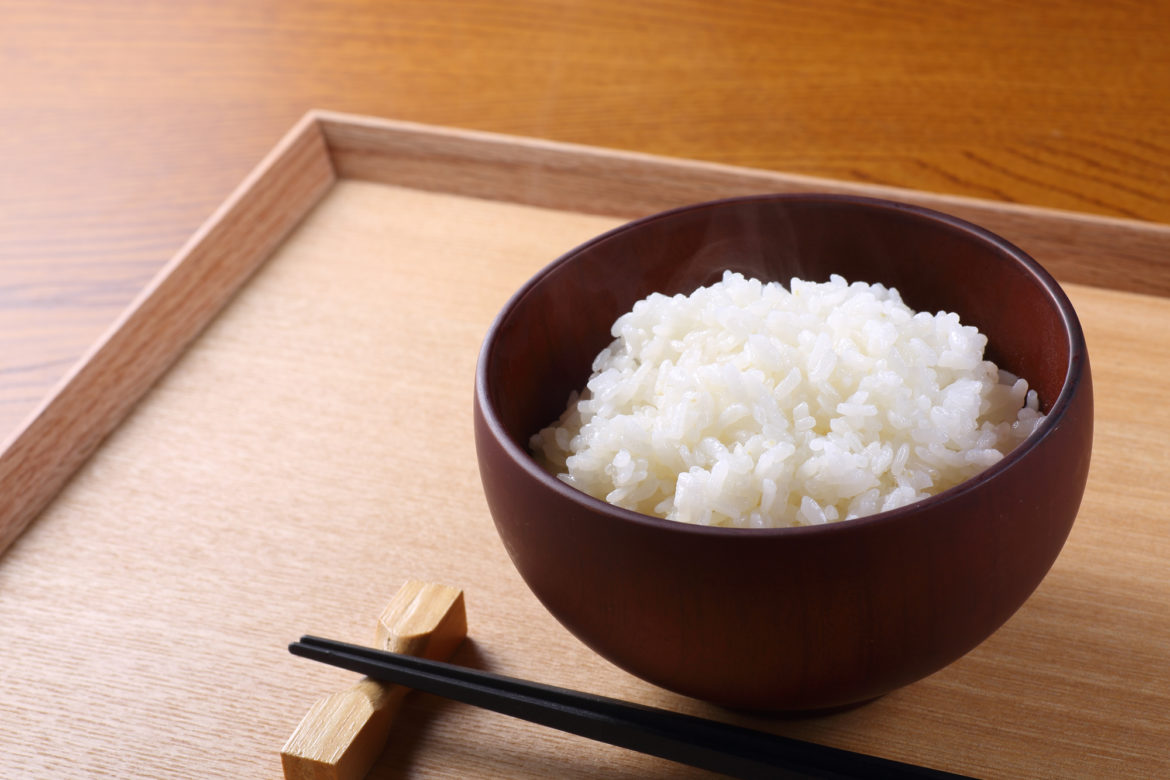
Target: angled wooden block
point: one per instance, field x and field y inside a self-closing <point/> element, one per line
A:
<point x="344" y="733"/>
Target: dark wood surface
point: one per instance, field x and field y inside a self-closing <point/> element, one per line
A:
<point x="123" y="124"/>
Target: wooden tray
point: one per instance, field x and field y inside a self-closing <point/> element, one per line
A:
<point x="289" y="440"/>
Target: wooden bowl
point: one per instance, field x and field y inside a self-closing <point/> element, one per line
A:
<point x="795" y="618"/>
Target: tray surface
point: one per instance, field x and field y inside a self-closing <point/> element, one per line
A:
<point x="312" y="450"/>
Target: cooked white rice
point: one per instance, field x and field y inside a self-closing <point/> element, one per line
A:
<point x="750" y="405"/>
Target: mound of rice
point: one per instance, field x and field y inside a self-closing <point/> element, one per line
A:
<point x="750" y="405"/>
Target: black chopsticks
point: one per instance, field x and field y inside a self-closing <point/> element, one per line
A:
<point x="708" y="744"/>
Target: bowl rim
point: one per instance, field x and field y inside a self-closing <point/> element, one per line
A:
<point x="1074" y="372"/>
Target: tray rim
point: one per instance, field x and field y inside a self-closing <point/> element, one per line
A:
<point x="323" y="147"/>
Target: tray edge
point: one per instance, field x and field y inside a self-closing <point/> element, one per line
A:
<point x="1108" y="252"/>
<point x="86" y="405"/>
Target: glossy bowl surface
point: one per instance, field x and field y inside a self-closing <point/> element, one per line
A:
<point x="797" y="618"/>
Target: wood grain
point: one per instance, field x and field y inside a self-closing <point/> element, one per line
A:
<point x="125" y="123"/>
<point x="313" y="449"/>
<point x="37" y="460"/>
<point x="1099" y="251"/>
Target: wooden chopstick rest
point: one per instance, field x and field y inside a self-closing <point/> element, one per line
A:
<point x="344" y="733"/>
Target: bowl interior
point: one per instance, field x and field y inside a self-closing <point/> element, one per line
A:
<point x="546" y="340"/>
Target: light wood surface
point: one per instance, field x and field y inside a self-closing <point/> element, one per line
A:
<point x="312" y="449"/>
<point x="124" y="124"/>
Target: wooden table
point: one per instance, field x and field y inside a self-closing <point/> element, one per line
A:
<point x="123" y="125"/>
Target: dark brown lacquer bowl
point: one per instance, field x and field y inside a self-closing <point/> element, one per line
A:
<point x="791" y="619"/>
